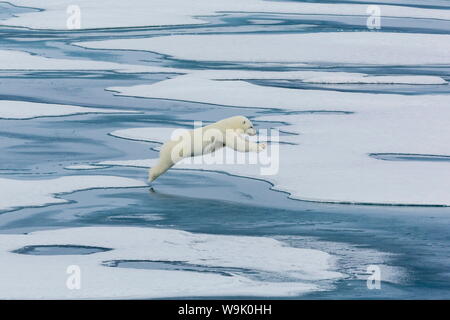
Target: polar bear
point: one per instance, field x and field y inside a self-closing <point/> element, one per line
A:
<point x="227" y="132"/>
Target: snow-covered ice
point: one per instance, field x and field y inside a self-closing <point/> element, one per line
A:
<point x="28" y="110"/>
<point x="366" y="79"/>
<point x="315" y="77"/>
<point x="332" y="47"/>
<point x="134" y="13"/>
<point x="244" y="94"/>
<point x="45" y="277"/>
<point x="18" y="60"/>
<point x="331" y="151"/>
<point x="311" y="76"/>
<point x="177" y="12"/>
<point x="339" y="150"/>
<point x="204" y="87"/>
<point x="29" y="193"/>
<point x="331" y="155"/>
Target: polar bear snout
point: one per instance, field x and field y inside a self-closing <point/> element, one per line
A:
<point x="250" y="131"/>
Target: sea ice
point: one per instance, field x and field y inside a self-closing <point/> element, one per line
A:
<point x="133" y="13"/>
<point x="26" y="193"/>
<point x="331" y="156"/>
<point x="28" y="110"/>
<point x="83" y="167"/>
<point x="244" y="94"/>
<point x="18" y="60"/>
<point x="45" y="277"/>
<point x="385" y="48"/>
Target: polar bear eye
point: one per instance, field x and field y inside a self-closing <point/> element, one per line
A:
<point x="243" y="122"/>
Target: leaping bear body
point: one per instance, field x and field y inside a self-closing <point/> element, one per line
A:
<point x="205" y="140"/>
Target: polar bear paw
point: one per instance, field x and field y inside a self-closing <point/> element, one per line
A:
<point x="261" y="146"/>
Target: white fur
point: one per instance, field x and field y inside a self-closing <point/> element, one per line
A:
<point x="227" y="132"/>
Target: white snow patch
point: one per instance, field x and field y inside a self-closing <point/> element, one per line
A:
<point x="26" y="193"/>
<point x="110" y="13"/>
<point x="44" y="277"/>
<point x="334" y="47"/>
<point x="28" y="110"/>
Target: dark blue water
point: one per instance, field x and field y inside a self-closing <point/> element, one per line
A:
<point x="57" y="250"/>
<point x="412" y="240"/>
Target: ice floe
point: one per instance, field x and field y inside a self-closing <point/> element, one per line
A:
<point x="316" y="77"/>
<point x="311" y="77"/>
<point x="133" y="13"/>
<point x="26" y="193"/>
<point x="333" y="163"/>
<point x="365" y="79"/>
<point x="29" y="110"/>
<point x="244" y="94"/>
<point x="45" y="276"/>
<point x="19" y="60"/>
<point x="336" y="134"/>
<point x="331" y="156"/>
<point x="382" y="48"/>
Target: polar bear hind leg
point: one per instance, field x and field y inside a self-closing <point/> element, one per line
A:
<point x="166" y="160"/>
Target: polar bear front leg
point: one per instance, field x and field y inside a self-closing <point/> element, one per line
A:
<point x="235" y="141"/>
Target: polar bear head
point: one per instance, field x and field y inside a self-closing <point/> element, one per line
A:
<point x="240" y="124"/>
